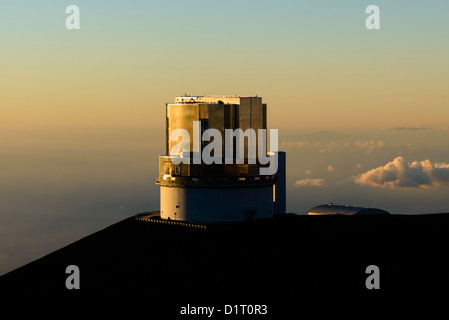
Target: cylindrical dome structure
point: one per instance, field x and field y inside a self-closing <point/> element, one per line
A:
<point x="333" y="209"/>
<point x="215" y="204"/>
<point x="212" y="172"/>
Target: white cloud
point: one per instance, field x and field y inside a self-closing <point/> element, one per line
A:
<point x="371" y="144"/>
<point x="329" y="147"/>
<point x="400" y="174"/>
<point x="310" y="182"/>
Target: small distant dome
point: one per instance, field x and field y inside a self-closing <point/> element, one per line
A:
<point x="345" y="210"/>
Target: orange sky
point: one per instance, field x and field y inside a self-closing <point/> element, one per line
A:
<point x="334" y="74"/>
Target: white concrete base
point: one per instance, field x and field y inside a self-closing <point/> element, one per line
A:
<point x="217" y="204"/>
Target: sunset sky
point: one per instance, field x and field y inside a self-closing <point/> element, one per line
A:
<point x="363" y="114"/>
<point x="314" y="60"/>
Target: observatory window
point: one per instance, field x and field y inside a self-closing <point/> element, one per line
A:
<point x="204" y="127"/>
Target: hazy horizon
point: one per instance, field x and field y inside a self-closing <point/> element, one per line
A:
<point x="58" y="189"/>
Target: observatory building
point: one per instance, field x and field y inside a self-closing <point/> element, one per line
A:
<point x="237" y="185"/>
<point x="334" y="209"/>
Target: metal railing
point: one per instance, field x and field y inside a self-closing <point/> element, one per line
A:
<point x="154" y="217"/>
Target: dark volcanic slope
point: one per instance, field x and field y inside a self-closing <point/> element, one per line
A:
<point x="276" y="260"/>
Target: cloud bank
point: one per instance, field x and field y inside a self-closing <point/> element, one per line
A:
<point x="366" y="145"/>
<point x="310" y="182"/>
<point x="413" y="128"/>
<point x="400" y="174"/>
